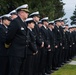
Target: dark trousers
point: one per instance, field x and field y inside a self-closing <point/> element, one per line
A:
<point x="49" y="62"/>
<point x="42" y="63"/>
<point x="37" y="61"/>
<point x="36" y="64"/>
<point x="60" y="55"/>
<point x="55" y="58"/>
<point x="15" y="65"/>
<point x="3" y="65"/>
<point x="65" y="55"/>
<point x="29" y="65"/>
<point x="68" y="52"/>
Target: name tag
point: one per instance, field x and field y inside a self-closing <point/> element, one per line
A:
<point x="58" y="30"/>
<point x="22" y="28"/>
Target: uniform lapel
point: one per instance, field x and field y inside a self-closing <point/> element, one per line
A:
<point x="22" y="24"/>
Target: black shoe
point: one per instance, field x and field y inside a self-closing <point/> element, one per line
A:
<point x="40" y="74"/>
<point x="47" y="74"/>
<point x="43" y="73"/>
<point x="55" y="68"/>
<point x="63" y="63"/>
<point x="59" y="65"/>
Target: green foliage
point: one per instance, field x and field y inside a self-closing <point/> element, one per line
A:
<point x="51" y="8"/>
<point x="73" y="18"/>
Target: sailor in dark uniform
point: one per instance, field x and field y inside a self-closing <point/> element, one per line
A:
<point x="40" y="24"/>
<point x="39" y="41"/>
<point x="53" y="45"/>
<point x="67" y="39"/>
<point x="64" y="42"/>
<point x="58" y="35"/>
<point x="17" y="39"/>
<point x="71" y="41"/>
<point x="73" y="36"/>
<point x="3" y="51"/>
<point x="47" y="50"/>
<point x="32" y="48"/>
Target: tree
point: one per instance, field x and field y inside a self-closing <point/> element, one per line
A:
<point x="51" y="8"/>
<point x="73" y="18"/>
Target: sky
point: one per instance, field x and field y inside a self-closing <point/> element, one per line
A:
<point x="69" y="8"/>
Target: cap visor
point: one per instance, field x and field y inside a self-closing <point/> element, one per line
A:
<point x="26" y="10"/>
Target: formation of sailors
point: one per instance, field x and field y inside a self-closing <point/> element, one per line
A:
<point x="33" y="46"/>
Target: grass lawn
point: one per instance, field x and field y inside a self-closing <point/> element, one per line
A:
<point x="67" y="69"/>
<point x="74" y="59"/>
